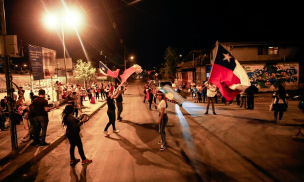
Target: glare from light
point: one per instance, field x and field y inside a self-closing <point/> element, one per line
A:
<point x="72" y="18"/>
<point x="51" y="20"/>
<point x="25" y="65"/>
<point x="132" y="58"/>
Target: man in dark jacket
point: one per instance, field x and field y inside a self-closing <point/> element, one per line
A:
<point x="41" y="116"/>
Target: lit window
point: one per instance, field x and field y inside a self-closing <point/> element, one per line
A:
<point x="273" y="50"/>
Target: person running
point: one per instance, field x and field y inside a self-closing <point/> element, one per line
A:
<point x="280" y="103"/>
<point x="163" y="118"/>
<point x="72" y="133"/>
<point x="111" y="111"/>
<point x="211" y="93"/>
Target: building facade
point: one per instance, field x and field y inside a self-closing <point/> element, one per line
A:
<point x="269" y="64"/>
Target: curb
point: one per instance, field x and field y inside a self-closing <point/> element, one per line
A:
<point x="46" y="150"/>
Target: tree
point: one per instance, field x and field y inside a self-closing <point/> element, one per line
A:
<point x="84" y="71"/>
<point x="171" y="58"/>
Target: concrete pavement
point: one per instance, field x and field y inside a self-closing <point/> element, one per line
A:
<point x="11" y="163"/>
<point x="235" y="145"/>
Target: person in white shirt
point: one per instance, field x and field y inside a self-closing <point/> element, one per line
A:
<point x="211" y="92"/>
<point x="163" y="118"/>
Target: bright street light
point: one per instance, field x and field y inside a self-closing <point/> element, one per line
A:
<point x="70" y="18"/>
<point x="131" y="58"/>
<point x="25" y="65"/>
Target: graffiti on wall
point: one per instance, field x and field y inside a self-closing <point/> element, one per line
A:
<point x="267" y="77"/>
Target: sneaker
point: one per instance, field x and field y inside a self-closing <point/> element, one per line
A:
<point x="160" y="142"/>
<point x="163" y="147"/>
<point x="214" y="113"/>
<point x="107" y="133"/>
<point x="86" y="161"/>
<point x="44" y="144"/>
<point x="206" y="113"/>
<point x="74" y="162"/>
<point x="280" y="120"/>
<point x="116" y="131"/>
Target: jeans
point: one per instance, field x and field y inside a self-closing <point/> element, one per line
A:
<point x="162" y="126"/>
<point x="210" y="99"/>
<point x="75" y="112"/>
<point x="119" y="109"/>
<point x="57" y="94"/>
<point x="243" y="101"/>
<point x="250" y="101"/>
<point x="76" y="141"/>
<point x="33" y="129"/>
<point x="278" y="108"/>
<point x="97" y="95"/>
<point x="111" y="115"/>
<point x="238" y="99"/>
<point x="41" y="123"/>
<point x="81" y="100"/>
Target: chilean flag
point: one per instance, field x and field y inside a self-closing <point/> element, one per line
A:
<point x="127" y="73"/>
<point x="227" y="74"/>
<point x="106" y="71"/>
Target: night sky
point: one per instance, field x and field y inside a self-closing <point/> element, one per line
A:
<point x="145" y="28"/>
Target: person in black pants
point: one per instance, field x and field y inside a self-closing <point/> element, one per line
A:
<point x="41" y="116"/>
<point x="72" y="133"/>
<point x="111" y="111"/>
<point x="150" y="97"/>
<point x="119" y="103"/>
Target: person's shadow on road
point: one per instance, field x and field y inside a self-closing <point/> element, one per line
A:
<point x="83" y="174"/>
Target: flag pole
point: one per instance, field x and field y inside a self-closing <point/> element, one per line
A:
<point x="214" y="56"/>
<point x="110" y="70"/>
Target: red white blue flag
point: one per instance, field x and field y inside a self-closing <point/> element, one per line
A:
<point x="227" y="74"/>
<point x="106" y="71"/>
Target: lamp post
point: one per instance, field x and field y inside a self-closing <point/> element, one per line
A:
<point x="71" y="19"/>
<point x="131" y="58"/>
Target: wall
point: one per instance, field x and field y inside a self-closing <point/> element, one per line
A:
<point x="268" y="77"/>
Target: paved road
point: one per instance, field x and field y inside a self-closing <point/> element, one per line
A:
<point x="235" y="145"/>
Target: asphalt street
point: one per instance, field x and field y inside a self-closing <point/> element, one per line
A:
<point x="235" y="145"/>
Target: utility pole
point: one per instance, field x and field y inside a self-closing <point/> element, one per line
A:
<point x="9" y="79"/>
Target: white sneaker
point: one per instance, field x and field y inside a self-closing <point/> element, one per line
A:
<point x="160" y="142"/>
<point x="163" y="147"/>
<point x="107" y="133"/>
<point x="116" y="131"/>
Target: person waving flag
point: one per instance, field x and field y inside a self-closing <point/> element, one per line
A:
<point x="106" y="71"/>
<point x="227" y="73"/>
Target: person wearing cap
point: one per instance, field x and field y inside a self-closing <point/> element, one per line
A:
<point x="163" y="118"/>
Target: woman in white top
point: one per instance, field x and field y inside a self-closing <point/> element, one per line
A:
<point x="163" y="118"/>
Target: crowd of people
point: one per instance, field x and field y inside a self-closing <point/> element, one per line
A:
<point x="35" y="114"/>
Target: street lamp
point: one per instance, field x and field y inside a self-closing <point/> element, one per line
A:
<point x="129" y="59"/>
<point x="71" y="19"/>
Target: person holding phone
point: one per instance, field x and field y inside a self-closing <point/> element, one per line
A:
<point x="72" y="133"/>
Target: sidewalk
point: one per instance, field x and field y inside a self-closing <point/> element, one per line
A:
<point x="11" y="163"/>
